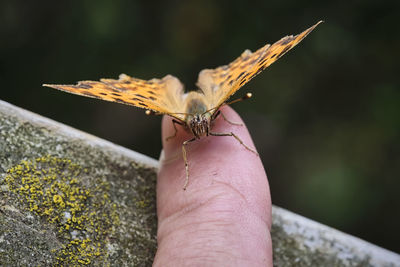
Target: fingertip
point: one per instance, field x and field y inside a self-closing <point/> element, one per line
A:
<point x="211" y="159"/>
<point x="227" y="183"/>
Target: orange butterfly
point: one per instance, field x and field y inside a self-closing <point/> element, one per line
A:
<point x="194" y="110"/>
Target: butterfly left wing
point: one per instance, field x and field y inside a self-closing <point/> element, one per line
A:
<point x="163" y="96"/>
<point x="221" y="83"/>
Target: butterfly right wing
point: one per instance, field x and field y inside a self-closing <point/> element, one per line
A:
<point x="220" y="83"/>
<point x="163" y="96"/>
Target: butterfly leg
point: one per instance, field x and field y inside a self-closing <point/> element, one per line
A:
<point x="176" y="130"/>
<point x="186" y="161"/>
<point x="237" y="138"/>
<point x="225" y="119"/>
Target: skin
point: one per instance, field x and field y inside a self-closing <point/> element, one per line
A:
<point x="224" y="216"/>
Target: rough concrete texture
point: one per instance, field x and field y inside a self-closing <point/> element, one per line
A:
<point x="299" y="241"/>
<point x="69" y="198"/>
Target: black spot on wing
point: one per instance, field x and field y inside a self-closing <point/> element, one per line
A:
<point x="240" y="75"/>
<point x="141" y="96"/>
<point x="260" y="59"/>
<point x="242" y="82"/>
<point x="285" y="50"/>
<point x="245" y="76"/>
<point x="259" y="70"/>
<point x="263" y="61"/>
<point x="119" y="100"/>
<point x="89" y="94"/>
<point x="84" y="86"/>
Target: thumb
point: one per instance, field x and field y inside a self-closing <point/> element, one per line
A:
<point x="225" y="213"/>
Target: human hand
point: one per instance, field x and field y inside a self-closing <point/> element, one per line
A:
<point x="224" y="216"/>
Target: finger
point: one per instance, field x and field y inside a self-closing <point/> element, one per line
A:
<point x="227" y="187"/>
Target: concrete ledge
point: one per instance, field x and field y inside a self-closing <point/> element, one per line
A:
<point x="70" y="198"/>
<point x="302" y="242"/>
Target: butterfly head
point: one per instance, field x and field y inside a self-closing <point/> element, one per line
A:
<point x="198" y="119"/>
<point x="199" y="124"/>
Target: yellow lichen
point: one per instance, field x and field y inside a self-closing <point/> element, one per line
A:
<point x="50" y="187"/>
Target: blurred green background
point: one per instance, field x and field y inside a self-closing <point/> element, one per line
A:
<point x="325" y="117"/>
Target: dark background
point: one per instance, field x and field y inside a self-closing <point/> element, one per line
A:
<point x="325" y="117"/>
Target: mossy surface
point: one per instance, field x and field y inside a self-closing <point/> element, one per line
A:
<point x="67" y="198"/>
<point x="84" y="218"/>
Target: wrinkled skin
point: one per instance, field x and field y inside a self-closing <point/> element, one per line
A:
<point x="224" y="216"/>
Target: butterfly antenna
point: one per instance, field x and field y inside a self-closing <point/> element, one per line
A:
<point x="246" y="96"/>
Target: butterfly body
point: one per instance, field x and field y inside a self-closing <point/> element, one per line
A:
<point x="198" y="118"/>
<point x="197" y="109"/>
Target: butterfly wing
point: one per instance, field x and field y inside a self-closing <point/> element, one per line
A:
<point x="160" y="95"/>
<point x="221" y="83"/>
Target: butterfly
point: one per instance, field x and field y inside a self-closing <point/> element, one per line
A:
<point x="195" y="110"/>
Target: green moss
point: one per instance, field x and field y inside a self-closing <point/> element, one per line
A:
<point x="52" y="188"/>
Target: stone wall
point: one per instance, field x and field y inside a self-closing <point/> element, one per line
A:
<point x="67" y="197"/>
